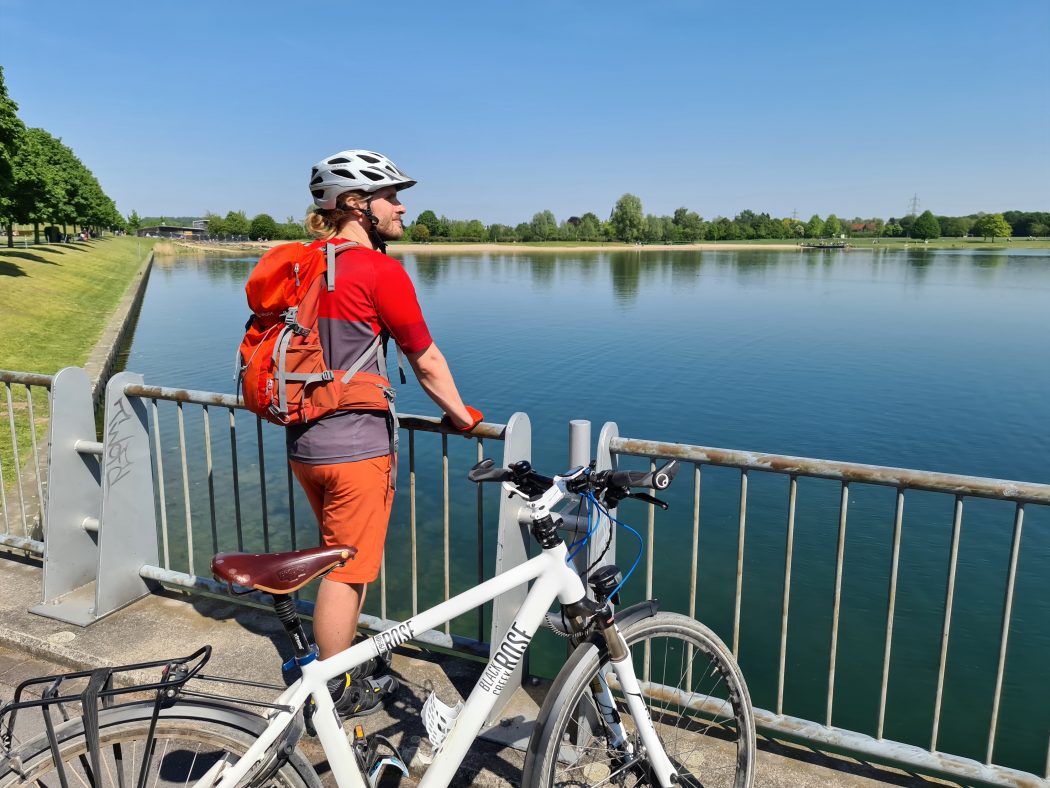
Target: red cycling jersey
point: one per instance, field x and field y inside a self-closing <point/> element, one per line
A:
<point x="373" y="294"/>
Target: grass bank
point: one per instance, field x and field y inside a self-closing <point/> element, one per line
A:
<point x="58" y="298"/>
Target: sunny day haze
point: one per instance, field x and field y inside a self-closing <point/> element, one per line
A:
<point x="503" y="110"/>
<point x="525" y="395"/>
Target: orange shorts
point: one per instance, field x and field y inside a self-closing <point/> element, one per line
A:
<point x="352" y="502"/>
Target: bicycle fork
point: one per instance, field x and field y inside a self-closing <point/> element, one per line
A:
<point x="620" y="659"/>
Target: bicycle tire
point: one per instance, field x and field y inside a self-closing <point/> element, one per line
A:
<point x="189" y="739"/>
<point x="721" y="751"/>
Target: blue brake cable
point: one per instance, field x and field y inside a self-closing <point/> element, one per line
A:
<point x="641" y="544"/>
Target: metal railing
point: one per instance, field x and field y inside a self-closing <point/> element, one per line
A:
<point x="818" y="730"/>
<point x="25" y="410"/>
<point x="253" y="495"/>
<point x="216" y="485"/>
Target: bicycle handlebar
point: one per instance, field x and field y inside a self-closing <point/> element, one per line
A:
<point x="611" y="486"/>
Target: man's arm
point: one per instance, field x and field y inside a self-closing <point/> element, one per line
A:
<point x="435" y="377"/>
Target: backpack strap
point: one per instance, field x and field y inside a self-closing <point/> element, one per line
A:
<point x="393" y="425"/>
<point x="330" y="252"/>
<point x="363" y="359"/>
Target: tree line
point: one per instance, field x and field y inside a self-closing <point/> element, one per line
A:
<point x="43" y="182"/>
<point x="628" y="223"/>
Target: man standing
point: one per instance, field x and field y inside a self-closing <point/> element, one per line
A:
<point x="344" y="462"/>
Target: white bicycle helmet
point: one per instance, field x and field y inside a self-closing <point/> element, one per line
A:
<point x="353" y="170"/>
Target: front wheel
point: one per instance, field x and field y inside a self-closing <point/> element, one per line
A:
<point x="696" y="697"/>
<point x="185" y="743"/>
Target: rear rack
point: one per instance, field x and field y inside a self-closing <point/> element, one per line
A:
<point x="85" y="694"/>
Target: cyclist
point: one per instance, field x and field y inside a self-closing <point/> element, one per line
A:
<point x="344" y="462"/>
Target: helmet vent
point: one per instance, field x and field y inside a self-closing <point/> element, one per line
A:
<point x="316" y="180"/>
<point x="372" y="176"/>
<point x="369" y="159"/>
<point x="317" y="193"/>
<point x="345" y="174"/>
<point x="339" y="160"/>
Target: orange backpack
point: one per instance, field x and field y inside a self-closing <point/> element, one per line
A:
<point x="281" y="369"/>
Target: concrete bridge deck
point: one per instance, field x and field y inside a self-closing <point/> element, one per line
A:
<point x="245" y="643"/>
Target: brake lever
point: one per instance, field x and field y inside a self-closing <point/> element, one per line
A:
<point x="640" y="496"/>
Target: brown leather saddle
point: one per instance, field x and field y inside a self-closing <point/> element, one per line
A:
<point x="279" y="573"/>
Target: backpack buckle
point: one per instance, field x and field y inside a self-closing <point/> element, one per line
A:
<point x="290" y="314"/>
<point x="300" y="330"/>
<point x="327" y="375"/>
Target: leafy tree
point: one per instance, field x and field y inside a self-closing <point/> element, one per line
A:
<point x="686" y="226"/>
<point x="589" y="228"/>
<point x="216" y="225"/>
<point x="420" y="232"/>
<point x="1039" y="230"/>
<point x="627" y="220"/>
<point x="926" y="226"/>
<point x="992" y="225"/>
<point x="832" y="226"/>
<point x="236" y="223"/>
<point x="291" y="230"/>
<point x="263" y="226"/>
<point x="723" y="229"/>
<point x="11" y="131"/>
<point x="815" y="227"/>
<point x="792" y="228"/>
<point x="35" y="184"/>
<point x="544" y="226"/>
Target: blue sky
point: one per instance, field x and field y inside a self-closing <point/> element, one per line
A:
<point x="501" y="110"/>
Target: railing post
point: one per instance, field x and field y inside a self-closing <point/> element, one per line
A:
<point x="128" y="539"/>
<point x="511" y="550"/>
<point x="100" y="509"/>
<point x="74" y="501"/>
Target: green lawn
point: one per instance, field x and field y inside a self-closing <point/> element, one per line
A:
<point x="58" y="298"/>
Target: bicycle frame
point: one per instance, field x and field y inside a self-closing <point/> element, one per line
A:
<point x="555" y="580"/>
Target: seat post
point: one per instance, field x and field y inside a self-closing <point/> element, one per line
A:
<point x="293" y="625"/>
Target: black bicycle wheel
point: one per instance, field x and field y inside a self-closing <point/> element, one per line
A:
<point x="696" y="697"/>
<point x="187" y="741"/>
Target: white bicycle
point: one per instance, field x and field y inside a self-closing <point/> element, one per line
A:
<point x="647" y="698"/>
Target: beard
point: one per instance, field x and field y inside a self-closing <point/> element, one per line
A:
<point x="391" y="231"/>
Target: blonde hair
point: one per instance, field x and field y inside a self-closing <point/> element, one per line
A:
<point x="324" y="223"/>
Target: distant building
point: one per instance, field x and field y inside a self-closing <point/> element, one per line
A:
<point x="863" y="227"/>
<point x="171" y="231"/>
<point x="200" y="224"/>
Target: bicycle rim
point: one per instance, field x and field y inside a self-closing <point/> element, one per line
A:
<point x="181" y="752"/>
<point x="696" y="697"/>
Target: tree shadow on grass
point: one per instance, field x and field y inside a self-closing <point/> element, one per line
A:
<point x="8" y="254"/>
<point x="80" y="246"/>
<point x="10" y="269"/>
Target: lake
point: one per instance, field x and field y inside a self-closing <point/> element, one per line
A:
<point x="935" y="360"/>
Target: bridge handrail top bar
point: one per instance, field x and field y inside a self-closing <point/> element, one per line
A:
<point x="407" y="420"/>
<point x="933" y="481"/>
<point x="25" y="378"/>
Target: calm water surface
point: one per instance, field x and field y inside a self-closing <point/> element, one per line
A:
<point x="935" y="360"/>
